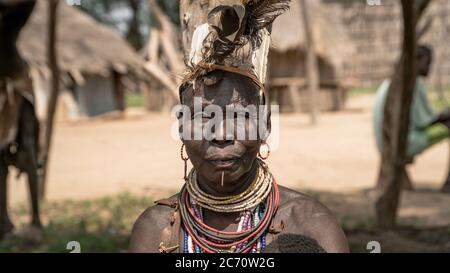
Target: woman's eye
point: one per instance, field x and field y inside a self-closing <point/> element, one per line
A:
<point x="203" y="115"/>
<point x="245" y="115"/>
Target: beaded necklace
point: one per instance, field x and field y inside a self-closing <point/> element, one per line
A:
<point x="250" y="198"/>
<point x="254" y="222"/>
<point x="247" y="221"/>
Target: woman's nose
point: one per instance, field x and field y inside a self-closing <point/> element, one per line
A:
<point x="222" y="136"/>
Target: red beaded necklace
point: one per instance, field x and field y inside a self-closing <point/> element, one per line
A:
<point x="211" y="240"/>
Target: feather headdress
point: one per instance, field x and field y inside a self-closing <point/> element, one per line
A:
<point x="236" y="36"/>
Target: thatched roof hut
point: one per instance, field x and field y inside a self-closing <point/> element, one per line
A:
<point x="287" y="56"/>
<point x="90" y="56"/>
<point x="84" y="45"/>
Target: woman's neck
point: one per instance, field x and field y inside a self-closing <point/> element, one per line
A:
<point x="215" y="188"/>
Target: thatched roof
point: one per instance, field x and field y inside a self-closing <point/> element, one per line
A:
<point x="331" y="41"/>
<point x="84" y="45"/>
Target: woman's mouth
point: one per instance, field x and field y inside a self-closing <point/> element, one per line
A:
<point x="222" y="164"/>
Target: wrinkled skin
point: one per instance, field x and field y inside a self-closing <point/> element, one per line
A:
<point x="228" y="155"/>
<point x="300" y="214"/>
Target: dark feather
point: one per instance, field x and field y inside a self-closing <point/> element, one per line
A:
<point x="259" y="15"/>
<point x="263" y="12"/>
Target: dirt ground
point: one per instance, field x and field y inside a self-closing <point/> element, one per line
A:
<point x="137" y="154"/>
<point x="336" y="160"/>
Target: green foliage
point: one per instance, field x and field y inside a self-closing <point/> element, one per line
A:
<point x="134" y="100"/>
<point x="357" y="91"/>
<point x="172" y="9"/>
<point x="99" y="225"/>
<point x="441" y="99"/>
<point x="441" y="105"/>
<point x="134" y="27"/>
<point x="101" y="10"/>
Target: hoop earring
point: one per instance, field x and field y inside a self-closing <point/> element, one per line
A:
<point x="185" y="159"/>
<point x="268" y="151"/>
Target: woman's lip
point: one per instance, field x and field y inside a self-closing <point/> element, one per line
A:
<point x="222" y="158"/>
<point x="224" y="163"/>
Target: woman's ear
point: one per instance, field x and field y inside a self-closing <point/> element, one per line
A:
<point x="268" y="113"/>
<point x="265" y="126"/>
<point x="183" y="115"/>
<point x="269" y="121"/>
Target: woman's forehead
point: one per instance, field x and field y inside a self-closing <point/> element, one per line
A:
<point x="228" y="90"/>
<point x="221" y="97"/>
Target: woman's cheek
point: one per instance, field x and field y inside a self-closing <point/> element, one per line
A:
<point x="191" y="129"/>
<point x="194" y="149"/>
<point x="251" y="146"/>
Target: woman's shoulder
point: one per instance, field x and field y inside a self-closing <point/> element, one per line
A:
<point x="157" y="211"/>
<point x="148" y="228"/>
<point x="301" y="203"/>
<point x="305" y="215"/>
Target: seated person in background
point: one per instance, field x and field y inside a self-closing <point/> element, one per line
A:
<point x="426" y="127"/>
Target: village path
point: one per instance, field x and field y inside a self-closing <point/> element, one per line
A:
<point x="137" y="154"/>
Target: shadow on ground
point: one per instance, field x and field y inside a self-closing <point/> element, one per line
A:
<point x="100" y="225"/>
<point x="104" y="225"/>
<point x="423" y="224"/>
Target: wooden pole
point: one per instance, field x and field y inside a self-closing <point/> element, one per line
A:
<point x="163" y="78"/>
<point x="168" y="38"/>
<point x="153" y="46"/>
<point x="295" y="96"/>
<point x="192" y="14"/>
<point x="165" y="63"/>
<point x="396" y="120"/>
<point x="53" y="64"/>
<point x="312" y="70"/>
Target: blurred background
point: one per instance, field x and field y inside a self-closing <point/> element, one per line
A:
<point x="112" y="153"/>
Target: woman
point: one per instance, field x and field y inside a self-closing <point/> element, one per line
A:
<point x="230" y="201"/>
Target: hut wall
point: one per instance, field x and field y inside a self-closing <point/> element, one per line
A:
<point x="156" y="98"/>
<point x="97" y="96"/>
<point x="287" y="64"/>
<point x="69" y="106"/>
<point x="41" y="89"/>
<point x="376" y="32"/>
<point x="291" y="64"/>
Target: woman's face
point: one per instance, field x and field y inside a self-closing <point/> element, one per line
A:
<point x="224" y="153"/>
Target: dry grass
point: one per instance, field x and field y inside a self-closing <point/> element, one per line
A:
<point x="104" y="224"/>
<point x="99" y="225"/>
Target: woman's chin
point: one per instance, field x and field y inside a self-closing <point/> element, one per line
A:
<point x="229" y="177"/>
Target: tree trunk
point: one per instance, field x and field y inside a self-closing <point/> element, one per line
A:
<point x="295" y="97"/>
<point x="192" y="14"/>
<point x="396" y="120"/>
<point x="168" y="38"/>
<point x="312" y="70"/>
<point x="53" y="64"/>
<point x="165" y="62"/>
<point x="134" y="36"/>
